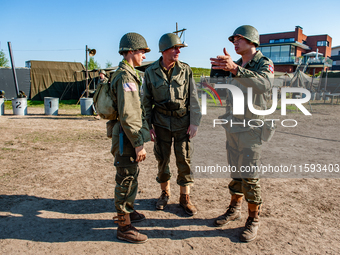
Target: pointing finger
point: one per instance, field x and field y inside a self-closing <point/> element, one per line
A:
<point x="225" y="52"/>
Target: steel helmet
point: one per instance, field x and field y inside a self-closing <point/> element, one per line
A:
<point x="102" y="71"/>
<point x="168" y="41"/>
<point x="133" y="41"/>
<point x="248" y="32"/>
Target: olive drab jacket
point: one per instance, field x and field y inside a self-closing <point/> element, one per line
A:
<point x="125" y="88"/>
<point x="258" y="74"/>
<point x="171" y="104"/>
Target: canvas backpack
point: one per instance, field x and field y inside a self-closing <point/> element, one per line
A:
<point x="104" y="100"/>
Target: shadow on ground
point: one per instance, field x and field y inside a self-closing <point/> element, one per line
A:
<point x="49" y="220"/>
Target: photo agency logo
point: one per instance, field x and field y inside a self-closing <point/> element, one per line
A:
<point x="238" y="104"/>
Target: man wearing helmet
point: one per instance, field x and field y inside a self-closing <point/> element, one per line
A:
<point x="102" y="77"/>
<point x="244" y="142"/>
<point x="173" y="114"/>
<point x="129" y="134"/>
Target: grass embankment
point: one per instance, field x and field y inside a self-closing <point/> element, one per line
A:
<point x="198" y="72"/>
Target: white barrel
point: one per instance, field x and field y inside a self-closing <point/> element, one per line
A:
<point x="51" y="105"/>
<point x="313" y="96"/>
<point x="2" y="106"/>
<point x="317" y="96"/>
<point x="86" y="106"/>
<point x="321" y="95"/>
<point x="19" y="106"/>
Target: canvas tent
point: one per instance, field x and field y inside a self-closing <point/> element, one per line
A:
<point x="64" y="80"/>
<point x="283" y="80"/>
<point x="331" y="81"/>
<point x="302" y="80"/>
<point x="7" y="81"/>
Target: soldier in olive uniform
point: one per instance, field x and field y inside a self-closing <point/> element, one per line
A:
<point x="244" y="142"/>
<point x="102" y="77"/>
<point x="173" y="114"/>
<point x="129" y="134"/>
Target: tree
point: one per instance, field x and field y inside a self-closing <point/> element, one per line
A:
<point x="92" y="64"/>
<point x="108" y="64"/>
<point x="3" y="59"/>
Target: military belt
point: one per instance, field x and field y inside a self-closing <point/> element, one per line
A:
<point x="175" y="113"/>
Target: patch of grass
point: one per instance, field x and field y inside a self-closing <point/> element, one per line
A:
<point x="5" y="175"/>
<point x="63" y="104"/>
<point x="8" y="149"/>
<point x="198" y="71"/>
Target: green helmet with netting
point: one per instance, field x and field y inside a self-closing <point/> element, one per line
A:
<point x="248" y="32"/>
<point x="168" y="41"/>
<point x="131" y="42"/>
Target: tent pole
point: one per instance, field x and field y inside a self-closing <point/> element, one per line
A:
<point x="87" y="74"/>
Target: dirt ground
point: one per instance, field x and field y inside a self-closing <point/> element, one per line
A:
<point x="57" y="190"/>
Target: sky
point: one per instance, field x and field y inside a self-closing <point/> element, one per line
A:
<point x="60" y="30"/>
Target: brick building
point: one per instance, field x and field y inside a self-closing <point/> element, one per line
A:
<point x="336" y="58"/>
<point x="288" y="49"/>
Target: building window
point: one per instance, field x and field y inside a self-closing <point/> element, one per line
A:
<point x="282" y="40"/>
<point x="290" y="40"/>
<point x="279" y="54"/>
<point x="266" y="51"/>
<point x="275" y="52"/>
<point x="322" y="43"/>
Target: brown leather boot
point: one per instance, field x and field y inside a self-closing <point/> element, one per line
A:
<point x="126" y="231"/>
<point x="163" y="200"/>
<point x="253" y="222"/>
<point x="233" y="212"/>
<point x="136" y="216"/>
<point x="185" y="202"/>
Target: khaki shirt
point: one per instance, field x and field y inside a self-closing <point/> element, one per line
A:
<point x="258" y="73"/>
<point x="172" y="94"/>
<point x="125" y="88"/>
<point x="105" y="80"/>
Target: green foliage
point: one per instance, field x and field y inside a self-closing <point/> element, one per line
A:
<point x="318" y="74"/>
<point x="108" y="64"/>
<point x="200" y="71"/>
<point x="92" y="64"/>
<point x="3" y="60"/>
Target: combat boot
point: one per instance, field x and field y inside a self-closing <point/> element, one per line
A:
<point x="233" y="212"/>
<point x="163" y="200"/>
<point x="253" y="222"/>
<point x="126" y="231"/>
<point x="136" y="216"/>
<point x="188" y="207"/>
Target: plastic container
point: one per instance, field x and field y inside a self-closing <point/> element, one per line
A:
<point x="317" y="96"/>
<point x="2" y="106"/>
<point x="19" y="106"/>
<point x="86" y="106"/>
<point x="325" y="97"/>
<point x="313" y="96"/>
<point x="51" y="105"/>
